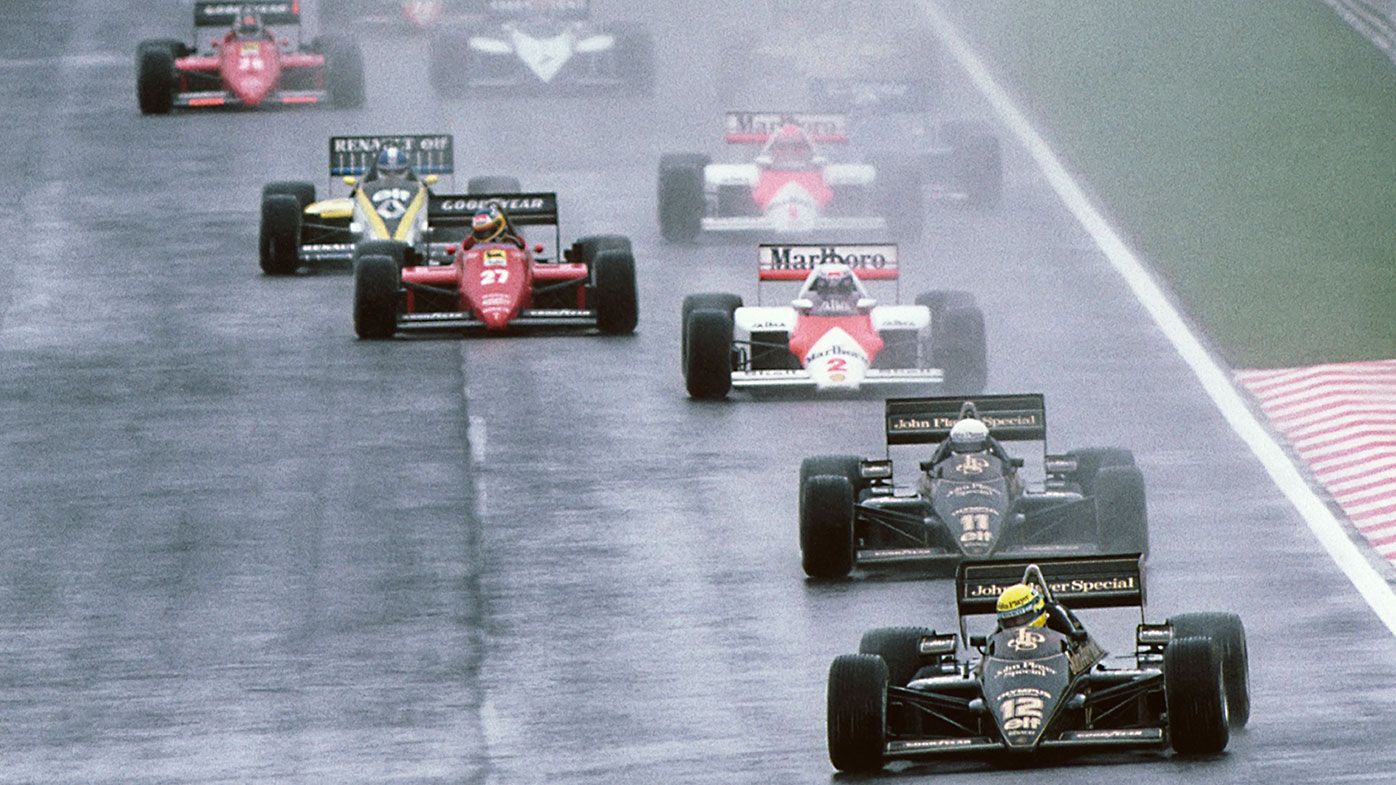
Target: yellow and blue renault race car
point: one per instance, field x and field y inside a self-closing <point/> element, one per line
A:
<point x="389" y="180"/>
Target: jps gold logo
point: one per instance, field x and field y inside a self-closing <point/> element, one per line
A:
<point x="1026" y="640"/>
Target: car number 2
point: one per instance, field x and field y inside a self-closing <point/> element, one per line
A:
<point x="493" y="277"/>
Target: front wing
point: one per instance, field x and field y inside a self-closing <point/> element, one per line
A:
<point x="533" y="319"/>
<point x="877" y="378"/>
<point x="214" y="99"/>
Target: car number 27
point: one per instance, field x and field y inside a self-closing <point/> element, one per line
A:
<point x="493" y="277"/>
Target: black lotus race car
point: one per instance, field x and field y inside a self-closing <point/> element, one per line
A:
<point x="541" y="45"/>
<point x="967" y="505"/>
<point x="908" y="695"/>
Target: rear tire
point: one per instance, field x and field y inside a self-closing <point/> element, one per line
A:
<point x="682" y="202"/>
<point x="155" y="77"/>
<point x="826" y="527"/>
<point x="303" y="192"/>
<point x="1091" y="460"/>
<point x="1195" y="693"/>
<point x="1226" y="631"/>
<point x="857" y="712"/>
<point x="899" y="647"/>
<point x="957" y="344"/>
<point x="613" y="292"/>
<point x="279" y="243"/>
<point x="708" y="354"/>
<point x="377" y="286"/>
<point x="344" y="73"/>
<point x="1122" y="518"/>
<point x="493" y="184"/>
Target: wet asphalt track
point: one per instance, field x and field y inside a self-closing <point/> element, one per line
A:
<point x="240" y="546"/>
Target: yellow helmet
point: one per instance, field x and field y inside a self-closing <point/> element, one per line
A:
<point x="1021" y="604"/>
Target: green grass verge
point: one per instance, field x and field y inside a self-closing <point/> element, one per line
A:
<point x="1247" y="147"/>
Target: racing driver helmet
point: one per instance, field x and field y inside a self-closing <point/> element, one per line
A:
<point x="249" y="23"/>
<point x="489" y="224"/>
<point x="1021" y="605"/>
<point x="791" y="148"/>
<point x="835" y="290"/>
<point x="969" y="435"/>
<point x="392" y="162"/>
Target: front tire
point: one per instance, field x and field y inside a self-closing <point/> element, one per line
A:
<point x="280" y="235"/>
<point x="857" y="712"/>
<point x="976" y="163"/>
<point x="377" y="286"/>
<point x="1195" y="693"/>
<point x="493" y="184"/>
<point x="708" y="354"/>
<point x="155" y="77"/>
<point x="616" y="303"/>
<point x="827" y="547"/>
<point x="303" y="192"/>
<point x="1226" y="631"/>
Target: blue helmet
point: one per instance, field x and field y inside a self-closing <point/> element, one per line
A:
<point x="393" y="161"/>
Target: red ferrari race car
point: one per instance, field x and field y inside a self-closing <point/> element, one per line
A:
<point x="498" y="286"/>
<point x="253" y="57"/>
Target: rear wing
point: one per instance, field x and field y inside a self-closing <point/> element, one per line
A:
<point x="557" y="9"/>
<point x="1021" y="418"/>
<point x="758" y="127"/>
<point x="532" y="209"/>
<point x="353" y="156"/>
<point x="225" y="14"/>
<point x="781" y="262"/>
<point x="1074" y="581"/>
<point x="873" y="96"/>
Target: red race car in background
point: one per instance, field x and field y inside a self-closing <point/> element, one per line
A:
<point x="247" y="55"/>
<point x="497" y="287"/>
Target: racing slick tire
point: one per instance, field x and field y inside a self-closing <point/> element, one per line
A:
<point x="707" y="352"/>
<point x="155" y="77"/>
<point x="279" y="243"/>
<point x="957" y="343"/>
<point x="976" y="163"/>
<point x="682" y="202"/>
<point x="857" y="712"/>
<point x="901" y="200"/>
<point x="450" y="64"/>
<point x="344" y="73"/>
<point x="899" y="647"/>
<point x="613" y="292"/>
<point x="377" y="284"/>
<point x="586" y="249"/>
<point x="846" y="466"/>
<point x="1226" y="631"/>
<point x="302" y="191"/>
<point x="1122" y="517"/>
<point x="634" y="58"/>
<point x="1194" y="689"/>
<point x="1091" y="460"/>
<point x="390" y="248"/>
<point x="827" y="549"/>
<point x="493" y="184"/>
<point x="717" y="301"/>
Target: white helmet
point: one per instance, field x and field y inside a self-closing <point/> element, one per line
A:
<point x="968" y="435"/>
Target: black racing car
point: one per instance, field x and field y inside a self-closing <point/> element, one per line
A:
<point x="909" y="695"/>
<point x="967" y="505"/>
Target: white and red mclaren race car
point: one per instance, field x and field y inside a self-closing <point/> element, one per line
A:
<point x="792" y="187"/>
<point x="834" y="337"/>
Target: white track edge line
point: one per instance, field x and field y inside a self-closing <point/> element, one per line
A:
<point x="1326" y="527"/>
